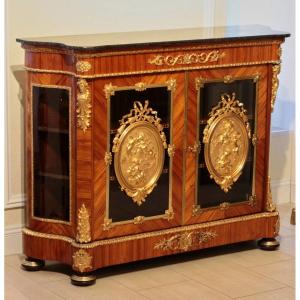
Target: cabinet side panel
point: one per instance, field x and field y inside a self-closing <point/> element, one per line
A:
<point x="53" y="80"/>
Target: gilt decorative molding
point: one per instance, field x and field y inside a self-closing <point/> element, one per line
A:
<point x="254" y="139"/>
<point x="83" y="105"/>
<point x="138" y="220"/>
<point x="224" y="205"/>
<point x="177" y="230"/>
<point x="138" y="149"/>
<point x="83" y="226"/>
<point x="226" y="138"/>
<point x="107" y="224"/>
<point x="195" y="148"/>
<point x="184" y="241"/>
<point x="171" y="150"/>
<point x="270" y="206"/>
<point x="195" y="209"/>
<point x="108" y="158"/>
<point x="252" y="200"/>
<point x="277" y="226"/>
<point x="228" y="79"/>
<point x="275" y="84"/>
<point x="82" y="260"/>
<point x="109" y="90"/>
<point x="83" y="66"/>
<point x="169" y="214"/>
<point x="171" y="85"/>
<point x="186" y="59"/>
<point x="140" y="86"/>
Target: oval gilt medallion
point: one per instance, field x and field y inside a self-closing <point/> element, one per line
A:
<point x="139" y="152"/>
<point x="139" y="161"/>
<point x="226" y="139"/>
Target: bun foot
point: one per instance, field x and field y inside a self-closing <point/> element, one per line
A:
<point x="83" y="279"/>
<point x="268" y="244"/>
<point x="32" y="264"/>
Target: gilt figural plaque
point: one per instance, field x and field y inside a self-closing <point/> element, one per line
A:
<point x="226" y="138"/>
<point x="139" y="151"/>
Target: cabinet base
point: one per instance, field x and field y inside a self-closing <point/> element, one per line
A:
<point x="85" y="258"/>
<point x="83" y="280"/>
<point x="32" y="264"/>
<point x="268" y="244"/>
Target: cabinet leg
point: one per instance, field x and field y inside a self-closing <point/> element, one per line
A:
<point x="269" y="244"/>
<point x="32" y="264"/>
<point x="83" y="279"/>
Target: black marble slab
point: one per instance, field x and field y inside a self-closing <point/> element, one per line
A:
<point x="106" y="41"/>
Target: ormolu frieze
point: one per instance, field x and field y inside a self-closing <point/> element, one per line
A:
<point x="184" y="241"/>
<point x="139" y="151"/>
<point x="226" y="138"/>
<point x="186" y="59"/>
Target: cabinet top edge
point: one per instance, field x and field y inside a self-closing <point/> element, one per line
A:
<point x="117" y="40"/>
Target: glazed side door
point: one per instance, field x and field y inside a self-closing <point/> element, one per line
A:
<point x="227" y="136"/>
<point x="137" y="148"/>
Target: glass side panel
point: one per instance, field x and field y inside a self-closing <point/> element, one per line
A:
<point x="51" y="175"/>
<point x="209" y="193"/>
<point x="121" y="206"/>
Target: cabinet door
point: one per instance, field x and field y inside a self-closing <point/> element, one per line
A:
<point x="141" y="154"/>
<point x="227" y="136"/>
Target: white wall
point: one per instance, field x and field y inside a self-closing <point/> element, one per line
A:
<point x="279" y="15"/>
<point x="61" y="17"/>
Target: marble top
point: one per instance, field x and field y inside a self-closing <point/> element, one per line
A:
<point x="155" y="37"/>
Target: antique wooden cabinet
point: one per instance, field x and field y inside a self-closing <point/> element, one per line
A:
<point x="146" y="144"/>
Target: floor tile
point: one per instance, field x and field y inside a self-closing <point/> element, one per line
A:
<point x="231" y="279"/>
<point x="280" y="294"/>
<point x="14" y="260"/>
<point x="149" y="278"/>
<point x="287" y="230"/>
<point x="105" y="288"/>
<point x="187" y="290"/>
<point x="253" y="257"/>
<point x="283" y="272"/>
<point x="51" y="272"/>
<point x="287" y="245"/>
<point x="12" y="293"/>
<point x="24" y="285"/>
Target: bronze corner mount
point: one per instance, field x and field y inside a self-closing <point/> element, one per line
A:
<point x="83" y="226"/>
<point x="83" y="105"/>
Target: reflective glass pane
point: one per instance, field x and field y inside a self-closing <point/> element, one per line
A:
<point x="51" y="186"/>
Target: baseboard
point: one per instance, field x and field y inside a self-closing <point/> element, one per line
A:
<point x="15" y="201"/>
<point x="13" y="240"/>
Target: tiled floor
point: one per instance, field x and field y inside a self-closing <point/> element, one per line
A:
<point x="233" y="272"/>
